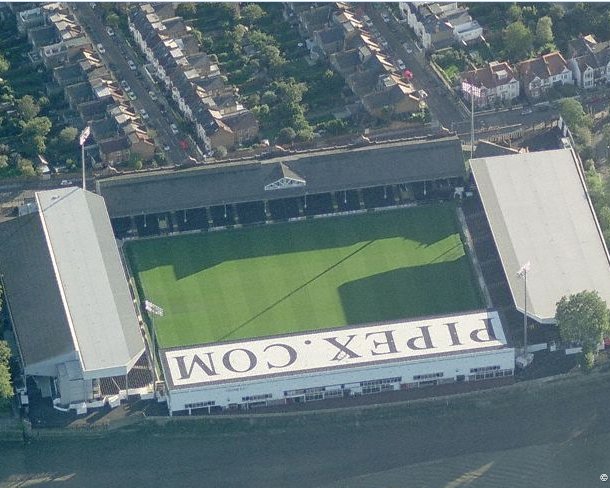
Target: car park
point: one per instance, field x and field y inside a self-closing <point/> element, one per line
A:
<point x="100" y="48"/>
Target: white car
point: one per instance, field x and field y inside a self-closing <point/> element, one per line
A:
<point x="367" y="21"/>
<point x="385" y="17"/>
<point x="144" y="114"/>
<point x="65" y="183"/>
<point x="166" y="148"/>
<point x="152" y="95"/>
<point x="132" y="65"/>
<point x="173" y="128"/>
<point x="100" y="48"/>
<point x="409" y="50"/>
<point x="132" y="96"/>
<point x="110" y="31"/>
<point x="125" y="85"/>
<point x="401" y="64"/>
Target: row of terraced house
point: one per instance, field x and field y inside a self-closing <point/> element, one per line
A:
<point x="587" y="66"/>
<point x="95" y="98"/>
<point x="336" y="31"/>
<point x="192" y="77"/>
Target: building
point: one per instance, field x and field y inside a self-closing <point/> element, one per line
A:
<point x="68" y="299"/>
<point x="539" y="211"/>
<point x="589" y="61"/>
<point x="440" y="25"/>
<point x="336" y="363"/>
<point x="497" y="82"/>
<point x="539" y="74"/>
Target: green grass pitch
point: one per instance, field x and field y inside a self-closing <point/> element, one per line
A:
<point x="302" y="276"/>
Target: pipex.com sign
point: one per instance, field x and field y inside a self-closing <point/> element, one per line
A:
<point x="333" y="348"/>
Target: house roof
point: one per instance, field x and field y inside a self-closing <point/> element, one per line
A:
<point x="114" y="145"/>
<point x="539" y="212"/>
<point x="543" y="67"/>
<point x="490" y="76"/>
<point x="331" y="170"/>
<point x="330" y="35"/>
<point x="242" y="120"/>
<point x="67" y="287"/>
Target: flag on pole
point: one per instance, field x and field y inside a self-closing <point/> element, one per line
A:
<point x="471" y="89"/>
<point x="84" y="135"/>
<point x="524" y="269"/>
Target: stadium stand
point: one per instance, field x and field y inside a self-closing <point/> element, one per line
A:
<point x="251" y="213"/>
<point x="68" y="297"/>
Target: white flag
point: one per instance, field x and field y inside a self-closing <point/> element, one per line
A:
<point x="524" y="269"/>
<point x="473" y="90"/>
<point x="84" y="135"/>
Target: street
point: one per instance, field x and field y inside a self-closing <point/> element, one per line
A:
<point x="118" y="52"/>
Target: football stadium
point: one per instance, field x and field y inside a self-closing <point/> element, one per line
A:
<point x="291" y="278"/>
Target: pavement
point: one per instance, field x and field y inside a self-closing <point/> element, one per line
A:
<point x="118" y="52"/>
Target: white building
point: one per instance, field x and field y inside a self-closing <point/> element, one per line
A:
<point x="339" y="362"/>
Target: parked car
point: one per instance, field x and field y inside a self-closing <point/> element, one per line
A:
<point x="66" y="182"/>
<point x="132" y="96"/>
<point x="401" y="64"/>
<point x="110" y="31"/>
<point x="526" y="111"/>
<point x="409" y="50"/>
<point x="166" y="148"/>
<point x="385" y="17"/>
<point x="173" y="128"/>
<point x="367" y="21"/>
<point x="100" y="48"/>
<point x="125" y="85"/>
<point x="153" y="97"/>
<point x="132" y="65"/>
<point x="144" y="114"/>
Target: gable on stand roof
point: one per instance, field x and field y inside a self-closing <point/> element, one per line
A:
<point x="283" y="177"/>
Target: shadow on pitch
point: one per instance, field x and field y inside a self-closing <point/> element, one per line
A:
<point x="190" y="254"/>
<point x="434" y="289"/>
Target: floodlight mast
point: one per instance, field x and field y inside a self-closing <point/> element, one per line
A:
<point x="522" y="273"/>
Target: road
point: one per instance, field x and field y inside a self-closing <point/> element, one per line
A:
<point x="440" y="101"/>
<point x="549" y="436"/>
<point x="118" y="51"/>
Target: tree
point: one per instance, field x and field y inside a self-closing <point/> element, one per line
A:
<point x="26" y="168"/>
<point x="28" y="108"/>
<point x="514" y="13"/>
<point x="4" y="64"/>
<point x="6" y="390"/>
<point x="68" y="135"/>
<point x="112" y="19"/>
<point x="582" y="135"/>
<point x="135" y="161"/>
<point x="220" y="151"/>
<point x="186" y="10"/>
<point x="252" y="12"/>
<point x="583" y="318"/>
<point x="544" y="31"/>
<point x="286" y="135"/>
<point x="572" y="112"/>
<point x="517" y="41"/>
